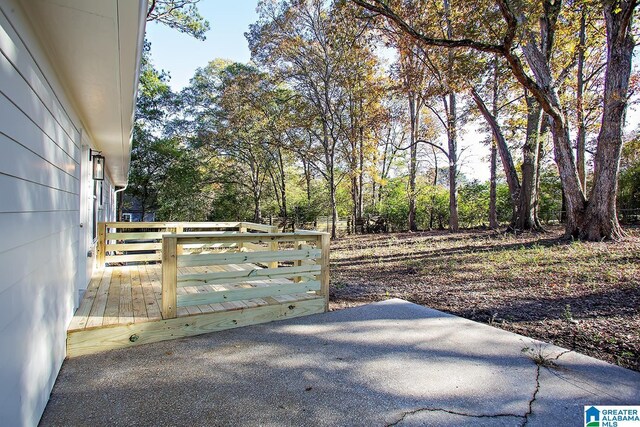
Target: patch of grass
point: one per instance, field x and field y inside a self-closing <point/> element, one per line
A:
<point x="539" y="357"/>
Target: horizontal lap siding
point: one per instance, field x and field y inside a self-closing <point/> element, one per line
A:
<point x="39" y="218"/>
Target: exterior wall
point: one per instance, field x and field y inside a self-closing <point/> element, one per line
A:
<point x="43" y="250"/>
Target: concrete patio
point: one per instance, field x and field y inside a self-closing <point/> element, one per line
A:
<point x="389" y="363"/>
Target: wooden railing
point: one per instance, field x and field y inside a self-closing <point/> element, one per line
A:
<point x="250" y="260"/>
<point x="294" y="263"/>
<point x="125" y="242"/>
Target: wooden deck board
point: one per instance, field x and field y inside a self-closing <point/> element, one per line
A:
<point x="81" y="316"/>
<point x="100" y="303"/>
<point x="113" y="300"/>
<point x="137" y="293"/>
<point x="125" y="311"/>
<point x="153" y="308"/>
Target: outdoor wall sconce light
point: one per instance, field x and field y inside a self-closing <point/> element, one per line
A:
<point x="98" y="164"/>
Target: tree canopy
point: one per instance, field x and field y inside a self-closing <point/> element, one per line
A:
<point x="357" y="109"/>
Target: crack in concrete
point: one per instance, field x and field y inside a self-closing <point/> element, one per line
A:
<point x="533" y="398"/>
<point x="427" y="409"/>
<point x="525" y="417"/>
<point x="562" y="354"/>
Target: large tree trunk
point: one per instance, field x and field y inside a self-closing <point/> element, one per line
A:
<point x="600" y="220"/>
<point x="575" y="200"/>
<point x="581" y="144"/>
<point x="527" y="210"/>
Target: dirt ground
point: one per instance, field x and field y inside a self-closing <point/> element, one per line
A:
<point x="582" y="296"/>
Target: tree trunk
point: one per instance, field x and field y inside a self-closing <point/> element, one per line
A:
<point x="354" y="201"/>
<point x="493" y="213"/>
<point x="434" y="183"/>
<point x="257" y="215"/>
<point x="276" y="190"/>
<point x="329" y="159"/>
<point x="505" y="155"/>
<point x="453" y="163"/>
<point x="600" y="220"/>
<point x="581" y="133"/>
<point x="413" y="117"/>
<point x="361" y="171"/>
<point x="307" y="178"/>
<point x="334" y="207"/>
<point x="283" y="189"/>
<point x="575" y="200"/>
<point x="452" y="132"/>
<point x="528" y="201"/>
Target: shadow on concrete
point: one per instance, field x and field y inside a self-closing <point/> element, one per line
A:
<point x="372" y="365"/>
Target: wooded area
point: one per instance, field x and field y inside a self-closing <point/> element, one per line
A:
<point x="358" y="108"/>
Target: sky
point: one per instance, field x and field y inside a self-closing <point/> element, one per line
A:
<point x="180" y="55"/>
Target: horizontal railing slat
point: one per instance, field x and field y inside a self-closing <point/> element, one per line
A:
<point x="172" y="224"/>
<point x="242" y="238"/>
<point x="227" y="277"/>
<point x="134" y="246"/>
<point x="254" y="247"/>
<point x="155" y="235"/>
<point x="247" y="257"/>
<point x="205" y="246"/>
<point x="246" y="293"/>
<point x="132" y="258"/>
<point x="257" y="227"/>
<point x="159" y="234"/>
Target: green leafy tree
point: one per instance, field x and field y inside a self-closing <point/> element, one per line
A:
<point x="182" y="15"/>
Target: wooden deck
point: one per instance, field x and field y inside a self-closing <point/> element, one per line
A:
<point x="122" y="307"/>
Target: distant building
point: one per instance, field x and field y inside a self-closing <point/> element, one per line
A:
<point x="133" y="212"/>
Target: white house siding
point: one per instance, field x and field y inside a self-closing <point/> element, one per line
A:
<point x="42" y="260"/>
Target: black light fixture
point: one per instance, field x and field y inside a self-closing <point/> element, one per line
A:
<point x="98" y="164"/>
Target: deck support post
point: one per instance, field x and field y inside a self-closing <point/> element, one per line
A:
<point x="179" y="230"/>
<point x="273" y="247"/>
<point x="169" y="277"/>
<point x="242" y="228"/>
<point x="297" y="263"/>
<point x="101" y="245"/>
<point x="324" y="244"/>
